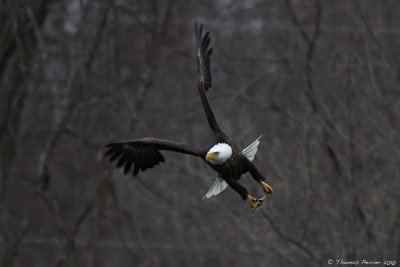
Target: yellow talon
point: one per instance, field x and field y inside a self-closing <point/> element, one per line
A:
<point x="253" y="202"/>
<point x="267" y="188"/>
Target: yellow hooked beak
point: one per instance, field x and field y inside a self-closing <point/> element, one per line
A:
<point x="211" y="156"/>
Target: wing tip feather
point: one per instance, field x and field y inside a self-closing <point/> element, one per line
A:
<point x="131" y="158"/>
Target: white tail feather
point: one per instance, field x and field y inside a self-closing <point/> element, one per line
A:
<point x="220" y="185"/>
<point x="250" y="151"/>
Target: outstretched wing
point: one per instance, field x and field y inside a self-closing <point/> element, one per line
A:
<point x="203" y="55"/>
<point x="145" y="153"/>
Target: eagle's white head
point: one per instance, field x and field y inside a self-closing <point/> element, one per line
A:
<point x="219" y="153"/>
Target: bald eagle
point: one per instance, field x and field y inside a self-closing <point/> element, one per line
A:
<point x="223" y="156"/>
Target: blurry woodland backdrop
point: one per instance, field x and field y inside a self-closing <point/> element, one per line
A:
<point x="318" y="79"/>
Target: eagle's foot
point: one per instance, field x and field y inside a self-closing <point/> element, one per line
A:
<point x="255" y="203"/>
<point x="266" y="187"/>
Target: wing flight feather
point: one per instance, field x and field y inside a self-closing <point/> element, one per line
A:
<point x="145" y="153"/>
<point x="203" y="56"/>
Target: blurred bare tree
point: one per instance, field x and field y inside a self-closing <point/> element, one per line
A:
<point x="317" y="78"/>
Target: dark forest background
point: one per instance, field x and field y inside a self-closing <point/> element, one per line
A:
<point x="318" y="79"/>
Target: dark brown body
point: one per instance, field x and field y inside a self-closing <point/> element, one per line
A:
<point x="232" y="170"/>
